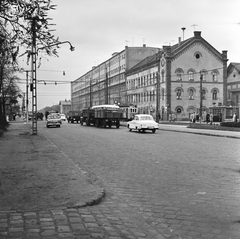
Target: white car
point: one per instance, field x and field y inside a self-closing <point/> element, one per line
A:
<point x="63" y="117"/>
<point x="53" y="120"/>
<point x="142" y="122"/>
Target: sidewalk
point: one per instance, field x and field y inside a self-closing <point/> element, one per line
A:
<point x="183" y="127"/>
<point x="39" y="183"/>
<point x="197" y="128"/>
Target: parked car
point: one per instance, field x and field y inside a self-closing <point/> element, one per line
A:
<point x="142" y="122"/>
<point x="53" y="120"/>
<point x="63" y="117"/>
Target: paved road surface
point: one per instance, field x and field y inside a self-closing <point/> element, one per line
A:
<point x="166" y="183"/>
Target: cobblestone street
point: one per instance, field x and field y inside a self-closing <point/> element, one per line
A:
<point x="164" y="185"/>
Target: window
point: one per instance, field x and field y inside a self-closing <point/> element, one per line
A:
<point x="179" y="96"/>
<point x="179" y="110"/>
<point x="162" y="74"/>
<point x="214" y="94"/>
<point x="191" y="75"/>
<point x="191" y="94"/>
<point x="203" y="74"/>
<point x="198" y="55"/>
<point x="179" y="74"/>
<point x="204" y="94"/>
<point x="229" y="95"/>
<point x="214" y="75"/>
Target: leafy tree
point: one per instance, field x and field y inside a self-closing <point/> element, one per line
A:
<point x="23" y="23"/>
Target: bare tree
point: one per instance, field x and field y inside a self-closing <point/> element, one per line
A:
<point x="24" y="23"/>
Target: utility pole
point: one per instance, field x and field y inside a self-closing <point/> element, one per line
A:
<point x="34" y="78"/>
<point x="90" y="95"/>
<point x="27" y="97"/>
<point x="157" y="99"/>
<point x="106" y="86"/>
<point x="200" y="110"/>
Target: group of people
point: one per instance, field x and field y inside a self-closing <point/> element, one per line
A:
<point x="205" y="118"/>
<point x="208" y="118"/>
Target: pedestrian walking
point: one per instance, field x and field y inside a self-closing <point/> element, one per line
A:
<point x="211" y="119"/>
<point x="235" y="118"/>
<point x="207" y="118"/>
<point x="191" y="118"/>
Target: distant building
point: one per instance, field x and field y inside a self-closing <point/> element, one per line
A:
<point x="233" y="84"/>
<point x="169" y="82"/>
<point x="65" y="106"/>
<point x="105" y="83"/>
<point x="188" y="77"/>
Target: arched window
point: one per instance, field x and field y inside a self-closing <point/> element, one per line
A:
<point x="178" y="91"/>
<point x="191" y="92"/>
<point x="179" y="74"/>
<point x="215" y="73"/>
<point x="191" y="73"/>
<point x="214" y="94"/>
<point x="179" y="109"/>
<point x="204" y="94"/>
<point x="179" y="94"/>
<point x="203" y="74"/>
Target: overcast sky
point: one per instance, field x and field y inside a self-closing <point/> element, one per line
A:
<point x="97" y="28"/>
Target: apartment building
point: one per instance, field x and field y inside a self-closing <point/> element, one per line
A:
<point x="105" y="83"/>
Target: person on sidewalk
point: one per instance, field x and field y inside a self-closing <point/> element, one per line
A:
<point x="235" y="118"/>
<point x="207" y="118"/>
<point x="211" y="119"/>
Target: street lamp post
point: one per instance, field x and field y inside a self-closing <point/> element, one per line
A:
<point x="34" y="74"/>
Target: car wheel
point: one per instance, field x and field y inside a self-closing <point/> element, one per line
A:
<point x="130" y="130"/>
<point x="154" y="130"/>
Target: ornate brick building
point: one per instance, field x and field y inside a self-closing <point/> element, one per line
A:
<point x="188" y="77"/>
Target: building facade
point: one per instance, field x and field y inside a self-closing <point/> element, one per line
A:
<point x="233" y="84"/>
<point x="188" y="77"/>
<point x="105" y="83"/>
<point x="65" y="106"/>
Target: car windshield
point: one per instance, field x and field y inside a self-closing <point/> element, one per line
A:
<point x="53" y="117"/>
<point x="147" y="117"/>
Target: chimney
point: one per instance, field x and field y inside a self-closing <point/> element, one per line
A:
<point x="224" y="54"/>
<point x="197" y="34"/>
<point x="179" y="41"/>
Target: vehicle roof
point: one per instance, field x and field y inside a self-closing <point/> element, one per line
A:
<point x="105" y="106"/>
<point x="143" y="115"/>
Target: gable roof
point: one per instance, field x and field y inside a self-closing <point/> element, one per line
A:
<point x="231" y="66"/>
<point x="179" y="48"/>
